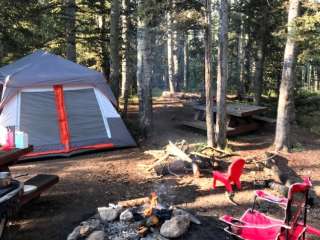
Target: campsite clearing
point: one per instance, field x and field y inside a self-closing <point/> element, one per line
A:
<point x="93" y="180"/>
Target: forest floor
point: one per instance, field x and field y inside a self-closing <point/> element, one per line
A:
<point x="91" y="180"/>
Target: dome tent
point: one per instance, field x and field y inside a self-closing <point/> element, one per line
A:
<point x="62" y="106"/>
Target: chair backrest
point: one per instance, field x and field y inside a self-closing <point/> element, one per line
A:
<point x="297" y="201"/>
<point x="235" y="169"/>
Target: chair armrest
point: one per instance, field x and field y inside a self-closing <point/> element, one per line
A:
<point x="242" y="224"/>
<point x="232" y="221"/>
<point x="281" y="201"/>
<point x="313" y="231"/>
<point x="219" y="175"/>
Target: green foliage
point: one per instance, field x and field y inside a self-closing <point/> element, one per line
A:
<point x="308" y="26"/>
<point x="33" y="24"/>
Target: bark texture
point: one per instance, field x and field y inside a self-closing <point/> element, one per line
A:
<point x="208" y="77"/>
<point x="114" y="48"/>
<point x="286" y="101"/>
<point x="170" y="46"/>
<point x="70" y="11"/>
<point x="222" y="75"/>
<point x="261" y="45"/>
<point x="125" y="66"/>
<point x="240" y="62"/>
<point x="105" y="60"/>
<point x="144" y="72"/>
<point x="186" y="63"/>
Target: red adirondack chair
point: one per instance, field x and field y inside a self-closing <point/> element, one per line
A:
<point x="255" y="225"/>
<point x="232" y="177"/>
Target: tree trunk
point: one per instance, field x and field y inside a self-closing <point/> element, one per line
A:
<point x="114" y="48"/>
<point x="125" y="58"/>
<point x="180" y="56"/>
<point x="286" y="100"/>
<point x="240" y="62"/>
<point x="144" y="73"/>
<point x="172" y="88"/>
<point x="222" y="75"/>
<point x="70" y="12"/>
<point x="1" y="50"/>
<point x="258" y="76"/>
<point x="104" y="57"/>
<point x="186" y="63"/>
<point x="248" y="60"/>
<point x="208" y="77"/>
<point x="175" y="60"/>
<point x="261" y="45"/>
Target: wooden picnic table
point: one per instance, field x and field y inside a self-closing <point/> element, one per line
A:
<point x="240" y="118"/>
<point x="236" y="109"/>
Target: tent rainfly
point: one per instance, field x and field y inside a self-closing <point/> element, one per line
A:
<point x="62" y="106"/>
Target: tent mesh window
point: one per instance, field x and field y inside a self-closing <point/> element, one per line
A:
<point x="86" y="126"/>
<point x="39" y="119"/>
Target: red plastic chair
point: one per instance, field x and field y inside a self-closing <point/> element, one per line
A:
<point x="233" y="176"/>
<point x="256" y="225"/>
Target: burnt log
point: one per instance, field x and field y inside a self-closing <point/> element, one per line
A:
<point x="133" y="202"/>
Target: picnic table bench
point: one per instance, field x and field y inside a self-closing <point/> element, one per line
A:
<point x="240" y="118"/>
<point x="10" y="157"/>
<point x="40" y="182"/>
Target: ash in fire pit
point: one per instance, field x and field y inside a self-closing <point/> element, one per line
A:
<point x="144" y="218"/>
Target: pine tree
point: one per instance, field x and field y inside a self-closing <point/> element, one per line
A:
<point x="283" y="139"/>
<point x="222" y="75"/>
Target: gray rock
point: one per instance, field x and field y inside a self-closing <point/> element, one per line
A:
<point x="107" y="214"/>
<point x="87" y="227"/>
<point x="96" y="235"/>
<point x="192" y="218"/>
<point x="118" y="208"/>
<point x="175" y="227"/>
<point x="126" y="215"/>
<point x="85" y="230"/>
<point x="75" y="234"/>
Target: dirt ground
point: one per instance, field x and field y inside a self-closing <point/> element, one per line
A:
<point x="91" y="180"/>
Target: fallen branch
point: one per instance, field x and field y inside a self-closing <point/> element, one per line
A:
<point x="159" y="161"/>
<point x="133" y="202"/>
<point x="172" y="149"/>
<point x="225" y="154"/>
<point x="202" y="155"/>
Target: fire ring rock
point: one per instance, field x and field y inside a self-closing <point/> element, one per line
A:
<point x="96" y="235"/>
<point x="126" y="216"/>
<point x="175" y="227"/>
<point x="89" y="226"/>
<point x="108" y="214"/>
<point x="75" y="234"/>
<point x="192" y="218"/>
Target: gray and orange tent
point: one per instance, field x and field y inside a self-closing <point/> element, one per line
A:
<point x="62" y="106"/>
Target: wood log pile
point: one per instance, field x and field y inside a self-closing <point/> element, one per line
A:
<point x="178" y="158"/>
<point x="180" y="95"/>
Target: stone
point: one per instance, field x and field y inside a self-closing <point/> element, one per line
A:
<point x="108" y="214"/>
<point x="75" y="234"/>
<point x="175" y="227"/>
<point x="192" y="218"/>
<point x="118" y="208"/>
<point x="87" y="227"/>
<point x="126" y="215"/>
<point x="85" y="230"/>
<point x="96" y="235"/>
